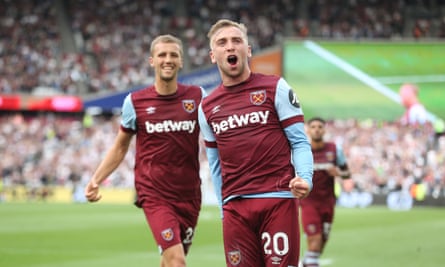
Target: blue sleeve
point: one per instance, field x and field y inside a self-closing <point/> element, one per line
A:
<point x="288" y="105"/>
<point x="341" y="159"/>
<point x="342" y="163"/>
<point x="204" y="126"/>
<point x="128" y="120"/>
<point x="215" y="172"/>
<point x="302" y="157"/>
<point x="212" y="155"/>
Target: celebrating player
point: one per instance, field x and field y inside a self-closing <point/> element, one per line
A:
<point x="164" y="119"/>
<point x="258" y="152"/>
<point x="318" y="208"/>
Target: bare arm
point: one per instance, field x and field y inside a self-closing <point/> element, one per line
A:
<point x="111" y="161"/>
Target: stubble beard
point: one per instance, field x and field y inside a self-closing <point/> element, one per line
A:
<point x="317" y="139"/>
<point x="233" y="74"/>
<point x="167" y="78"/>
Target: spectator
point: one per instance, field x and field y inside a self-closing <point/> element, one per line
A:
<point x="415" y="112"/>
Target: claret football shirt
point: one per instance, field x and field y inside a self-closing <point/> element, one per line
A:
<point x="166" y="161"/>
<point x="245" y="123"/>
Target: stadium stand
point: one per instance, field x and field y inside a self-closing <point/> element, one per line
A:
<point x="88" y="46"/>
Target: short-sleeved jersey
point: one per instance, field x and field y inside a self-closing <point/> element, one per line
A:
<point x="167" y="133"/>
<point x="247" y="127"/>
<point x="323" y="190"/>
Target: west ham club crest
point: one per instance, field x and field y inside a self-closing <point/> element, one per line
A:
<point x="189" y="105"/>
<point x="234" y="257"/>
<point x="167" y="234"/>
<point x="258" y="97"/>
<point x="330" y="156"/>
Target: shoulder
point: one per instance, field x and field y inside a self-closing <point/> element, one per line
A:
<point x="214" y="94"/>
<point x="189" y="87"/>
<point x="269" y="79"/>
<point x="143" y="92"/>
<point x="191" y="90"/>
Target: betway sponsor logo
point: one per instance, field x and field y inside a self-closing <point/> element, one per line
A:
<point x="170" y="126"/>
<point x="237" y="121"/>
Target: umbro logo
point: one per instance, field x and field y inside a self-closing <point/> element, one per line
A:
<point x="150" y="110"/>
<point x="216" y="109"/>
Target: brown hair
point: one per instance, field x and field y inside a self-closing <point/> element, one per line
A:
<point x="223" y="23"/>
<point x="319" y="119"/>
<point x="166" y="38"/>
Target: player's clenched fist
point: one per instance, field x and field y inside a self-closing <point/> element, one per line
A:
<point x="299" y="187"/>
<point x="92" y="191"/>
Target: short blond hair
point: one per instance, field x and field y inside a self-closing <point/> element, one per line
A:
<point x="223" y="23"/>
<point x="166" y="38"/>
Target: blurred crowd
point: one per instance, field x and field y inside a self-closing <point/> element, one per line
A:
<point x="389" y="156"/>
<point x="92" y="46"/>
<point x="46" y="150"/>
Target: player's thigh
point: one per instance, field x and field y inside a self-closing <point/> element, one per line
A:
<point x="187" y="214"/>
<point x="327" y="219"/>
<point x="164" y="224"/>
<point x="173" y="256"/>
<point x="317" y="219"/>
<point x="261" y="232"/>
<point x="311" y="219"/>
<point x="280" y="233"/>
<point x="241" y="242"/>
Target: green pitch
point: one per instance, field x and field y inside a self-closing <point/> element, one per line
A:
<point x="329" y="89"/>
<point x="100" y="235"/>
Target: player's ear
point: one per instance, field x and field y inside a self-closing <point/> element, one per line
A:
<point x="150" y="60"/>
<point x="212" y="57"/>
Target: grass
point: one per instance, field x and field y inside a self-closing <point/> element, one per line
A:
<point x="379" y="237"/>
<point x="112" y="235"/>
<point x="42" y="234"/>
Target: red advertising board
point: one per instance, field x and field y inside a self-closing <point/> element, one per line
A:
<point x="9" y="102"/>
<point x="33" y="103"/>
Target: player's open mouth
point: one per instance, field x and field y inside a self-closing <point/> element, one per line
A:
<point x="232" y="60"/>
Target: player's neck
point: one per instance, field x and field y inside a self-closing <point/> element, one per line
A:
<point x="166" y="87"/>
<point x="317" y="145"/>
<point x="229" y="81"/>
